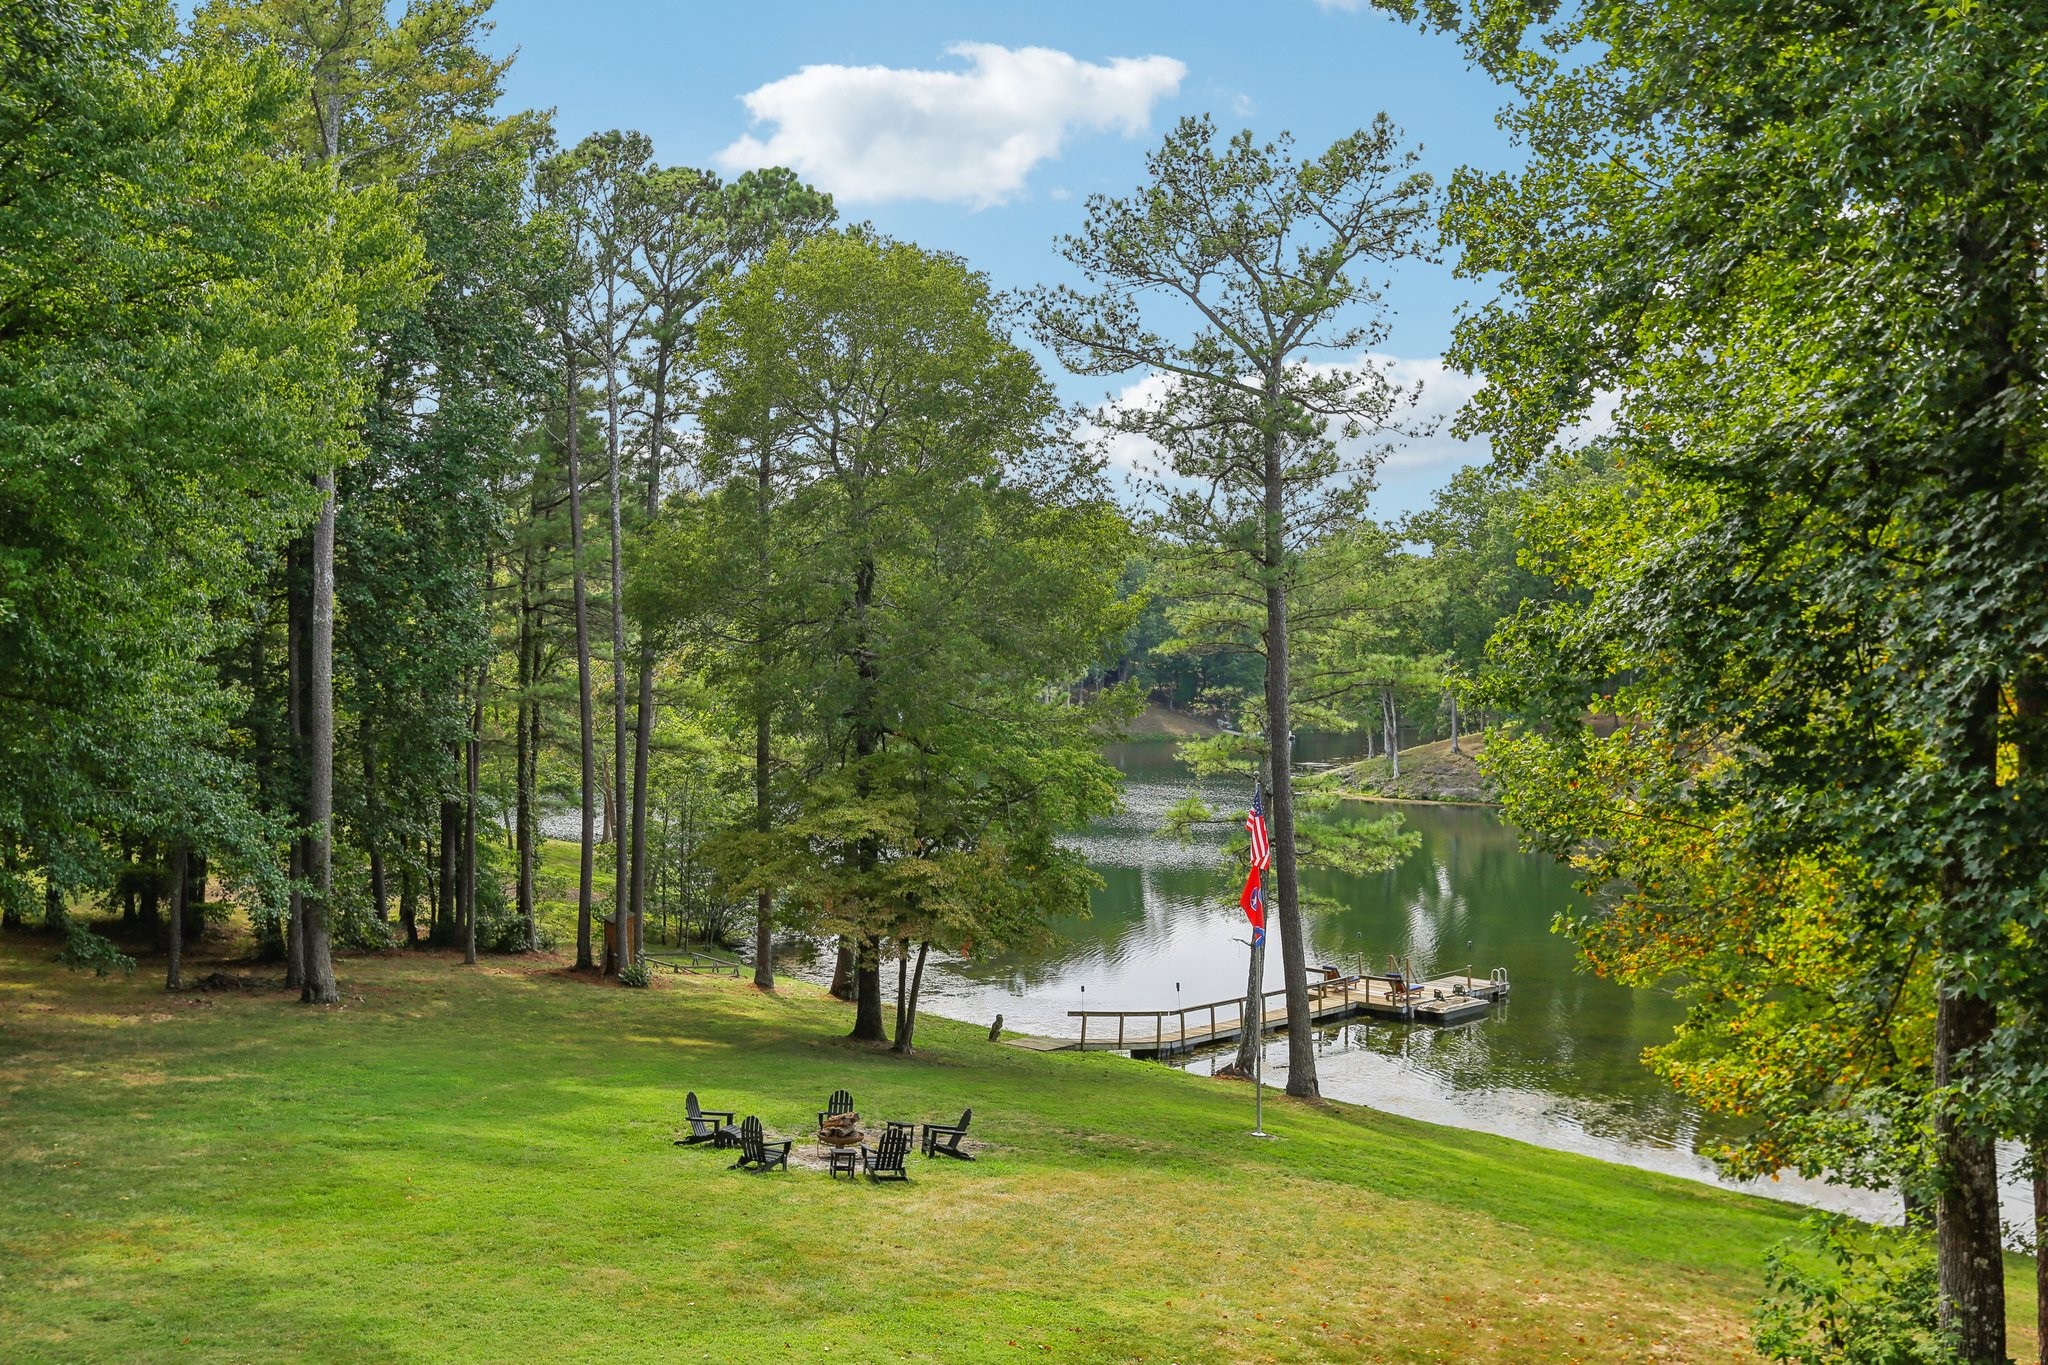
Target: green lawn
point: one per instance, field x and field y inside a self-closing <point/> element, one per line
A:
<point x="476" y="1164"/>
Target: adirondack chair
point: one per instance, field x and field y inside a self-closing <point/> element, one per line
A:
<point x="884" y="1161"/>
<point x="758" y="1153"/>
<point x="943" y="1139"/>
<point x="840" y="1103"/>
<point x="708" y="1125"/>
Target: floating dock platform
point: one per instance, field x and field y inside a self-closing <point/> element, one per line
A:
<point x="1144" y="1033"/>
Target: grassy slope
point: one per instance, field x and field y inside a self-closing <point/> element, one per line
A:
<point x="475" y="1164"/>
<point x="1429" y="772"/>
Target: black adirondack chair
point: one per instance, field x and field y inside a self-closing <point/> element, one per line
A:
<point x="840" y="1103"/>
<point x="884" y="1161"/>
<point x="943" y="1139"/>
<point x="708" y="1125"/>
<point x="758" y="1153"/>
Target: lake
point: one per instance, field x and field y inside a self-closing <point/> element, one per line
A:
<point x="1559" y="1065"/>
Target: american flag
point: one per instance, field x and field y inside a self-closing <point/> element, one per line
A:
<point x="1255" y="821"/>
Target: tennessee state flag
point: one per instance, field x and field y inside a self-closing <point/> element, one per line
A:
<point x="1253" y="900"/>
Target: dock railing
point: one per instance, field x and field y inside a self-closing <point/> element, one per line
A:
<point x="695" y="960"/>
<point x="1232" y="1012"/>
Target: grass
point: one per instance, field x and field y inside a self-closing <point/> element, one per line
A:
<point x="476" y="1163"/>
<point x="1429" y="772"/>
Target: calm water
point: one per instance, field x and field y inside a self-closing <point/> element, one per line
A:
<point x="1559" y="1065"/>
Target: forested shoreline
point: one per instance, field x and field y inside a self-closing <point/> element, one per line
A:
<point x="439" y="475"/>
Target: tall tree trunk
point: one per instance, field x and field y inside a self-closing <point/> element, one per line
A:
<point x="472" y="780"/>
<point x="1285" y="897"/>
<point x="174" y="975"/>
<point x="622" y="861"/>
<point x="1970" y="1256"/>
<point x="643" y="710"/>
<point x="195" y="895"/>
<point x="408" y="902"/>
<point x="522" y="781"/>
<point x="764" y="815"/>
<point x="372" y="824"/>
<point x="867" y="742"/>
<point x="1391" y="714"/>
<point x="586" y="719"/>
<point x="319" y="987"/>
<point x="447" y="912"/>
<point x="902" y="984"/>
<point x="533" y="840"/>
<point x="764" y="900"/>
<point x="906" y="1024"/>
<point x="1454" y="721"/>
<point x="296" y="630"/>
<point x="867" y="991"/>
<point x="843" y="984"/>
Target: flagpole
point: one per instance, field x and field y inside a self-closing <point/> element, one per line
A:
<point x="1259" y="1074"/>
<point x="1257" y="1021"/>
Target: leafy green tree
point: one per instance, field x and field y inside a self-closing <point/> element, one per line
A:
<point x="700" y="232"/>
<point x="1473" y="530"/>
<point x="383" y="96"/>
<point x="555" y="313"/>
<point x="956" y="559"/>
<point x="175" y="320"/>
<point x="424" y="514"/>
<point x="1808" y="269"/>
<point x="1259" y="258"/>
<point x="604" y="178"/>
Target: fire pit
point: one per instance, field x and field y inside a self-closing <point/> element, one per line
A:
<point x="840" y="1130"/>
<point x="840" y="1135"/>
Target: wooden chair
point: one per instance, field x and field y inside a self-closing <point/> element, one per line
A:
<point x="884" y="1161"/>
<point x="943" y="1139"/>
<point x="758" y="1153"/>
<point x="708" y="1125"/>
<point x="840" y="1103"/>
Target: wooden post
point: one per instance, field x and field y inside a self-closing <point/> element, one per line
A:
<point x="1084" y="1033"/>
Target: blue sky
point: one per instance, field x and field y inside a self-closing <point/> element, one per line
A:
<point x="979" y="129"/>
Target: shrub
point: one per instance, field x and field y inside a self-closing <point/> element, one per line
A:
<point x="84" y="949"/>
<point x="1852" y="1295"/>
<point x="634" y="974"/>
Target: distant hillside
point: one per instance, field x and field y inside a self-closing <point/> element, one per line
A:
<point x="1429" y="772"/>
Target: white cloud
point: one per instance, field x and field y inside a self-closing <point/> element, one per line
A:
<point x="875" y="133"/>
<point x="1348" y="6"/>
<point x="1418" y="459"/>
<point x="1444" y="391"/>
<point x="1125" y="453"/>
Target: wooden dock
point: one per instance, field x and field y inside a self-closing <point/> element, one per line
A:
<point x="1143" y="1033"/>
